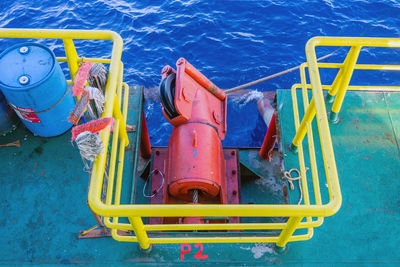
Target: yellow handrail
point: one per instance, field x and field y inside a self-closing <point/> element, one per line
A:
<point x="113" y="87"/>
<point x="316" y="107"/>
<point x="295" y="213"/>
<point x="299" y="216"/>
<point x="341" y="82"/>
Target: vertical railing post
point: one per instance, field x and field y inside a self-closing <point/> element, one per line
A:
<point x="348" y="69"/>
<point x="286" y="233"/>
<point x="123" y="135"/>
<point x="140" y="233"/>
<point x="338" y="79"/>
<point x="72" y="57"/>
<point x="301" y="132"/>
<point x="313" y="163"/>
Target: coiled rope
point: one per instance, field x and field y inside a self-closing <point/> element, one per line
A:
<point x="288" y="176"/>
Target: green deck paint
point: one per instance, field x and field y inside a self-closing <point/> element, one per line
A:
<point x="43" y="195"/>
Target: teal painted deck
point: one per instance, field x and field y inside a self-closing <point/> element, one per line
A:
<point x="44" y="191"/>
<point x="365" y="142"/>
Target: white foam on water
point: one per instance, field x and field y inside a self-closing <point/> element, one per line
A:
<point x="152" y="93"/>
<point x="250" y="96"/>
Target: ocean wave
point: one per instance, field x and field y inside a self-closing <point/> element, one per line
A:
<point x="231" y="42"/>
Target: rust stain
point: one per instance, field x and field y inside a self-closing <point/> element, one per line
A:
<point x="388" y="137"/>
<point x="285" y="191"/>
<point x="355" y="123"/>
<point x="367" y="157"/>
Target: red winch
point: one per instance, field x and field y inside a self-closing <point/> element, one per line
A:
<point x="195" y="169"/>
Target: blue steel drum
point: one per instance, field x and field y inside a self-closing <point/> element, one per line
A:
<point x="8" y="119"/>
<point x="33" y="83"/>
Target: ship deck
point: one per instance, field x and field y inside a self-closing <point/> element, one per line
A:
<point x="44" y="192"/>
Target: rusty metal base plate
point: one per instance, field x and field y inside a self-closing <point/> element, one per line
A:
<point x="158" y="182"/>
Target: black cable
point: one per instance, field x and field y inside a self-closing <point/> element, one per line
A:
<point x="167" y="93"/>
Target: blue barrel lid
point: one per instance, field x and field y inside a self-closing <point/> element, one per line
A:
<point x="25" y="65"/>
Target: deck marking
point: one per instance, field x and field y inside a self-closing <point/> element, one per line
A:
<point x="187" y="248"/>
<point x="199" y="254"/>
<point x="183" y="250"/>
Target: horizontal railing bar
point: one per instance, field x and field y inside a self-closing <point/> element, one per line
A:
<point x="230" y="226"/>
<point x="85" y="59"/>
<point x="59" y="34"/>
<point x="217" y="239"/>
<point x="214" y="226"/>
<point x="374" y="88"/>
<point x="359" y="66"/>
<point x="230" y="210"/>
<point x="352" y="41"/>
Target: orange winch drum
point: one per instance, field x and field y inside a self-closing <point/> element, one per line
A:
<point x="195" y="159"/>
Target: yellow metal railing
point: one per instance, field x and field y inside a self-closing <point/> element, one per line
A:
<point x="337" y="90"/>
<point x="111" y="208"/>
<point x="303" y="216"/>
<point x="115" y="89"/>
<point x="115" y="70"/>
<point x="316" y="107"/>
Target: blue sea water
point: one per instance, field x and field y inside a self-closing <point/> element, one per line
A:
<point x="231" y="42"/>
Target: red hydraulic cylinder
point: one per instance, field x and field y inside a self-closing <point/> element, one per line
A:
<point x="269" y="140"/>
<point x="145" y="146"/>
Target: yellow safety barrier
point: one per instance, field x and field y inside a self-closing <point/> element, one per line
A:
<point x="338" y="88"/>
<point x="316" y="107"/>
<point x="111" y="208"/>
<point x="115" y="87"/>
<point x="302" y="216"/>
